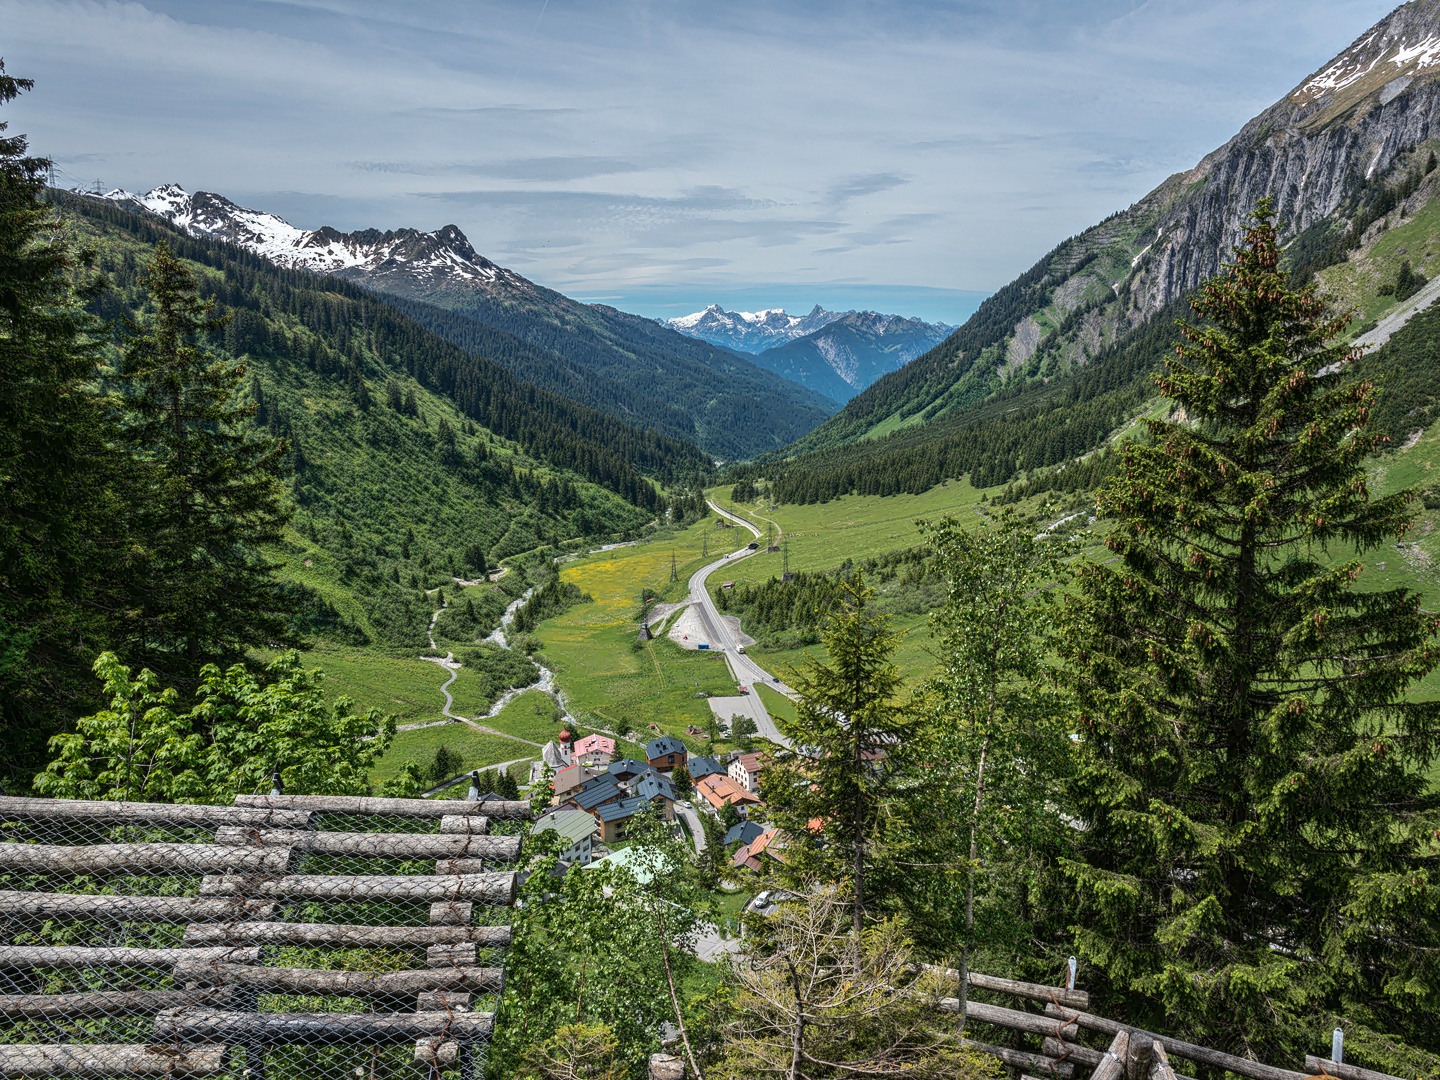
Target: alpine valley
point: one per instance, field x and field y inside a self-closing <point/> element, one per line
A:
<point x="1075" y="674"/>
<point x="621" y="364"/>
<point x="1059" y="362"/>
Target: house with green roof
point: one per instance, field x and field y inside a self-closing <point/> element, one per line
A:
<point x="577" y="827"/>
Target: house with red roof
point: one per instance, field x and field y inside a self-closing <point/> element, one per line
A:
<point x="718" y="790"/>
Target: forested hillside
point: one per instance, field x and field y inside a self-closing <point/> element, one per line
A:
<point x="729" y="405"/>
<point x="634" y="369"/>
<point x="404" y="462"/>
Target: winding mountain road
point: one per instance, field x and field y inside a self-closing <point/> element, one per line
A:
<point x="722" y="639"/>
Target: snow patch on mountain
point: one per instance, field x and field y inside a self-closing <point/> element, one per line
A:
<point x="437" y="257"/>
<point x="1396" y="46"/>
<point x="751" y="331"/>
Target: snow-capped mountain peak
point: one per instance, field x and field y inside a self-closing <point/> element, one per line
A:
<point x="432" y="258"/>
<point x="751" y="331"/>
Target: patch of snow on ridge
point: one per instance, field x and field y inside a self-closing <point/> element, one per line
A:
<point x="841" y="360"/>
<point x="1338" y="76"/>
<point x="1359" y="61"/>
<point x="1426" y="54"/>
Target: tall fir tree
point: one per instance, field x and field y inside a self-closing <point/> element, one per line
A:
<point x="60" y="524"/>
<point x="215" y="496"/>
<point x="827" y="790"/>
<point x="1258" y="831"/>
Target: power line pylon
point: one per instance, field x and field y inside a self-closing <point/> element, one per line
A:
<point x="674" y="570"/>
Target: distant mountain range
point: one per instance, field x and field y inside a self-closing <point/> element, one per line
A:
<point x="621" y="364"/>
<point x="751" y="331"/>
<point x="837" y="353"/>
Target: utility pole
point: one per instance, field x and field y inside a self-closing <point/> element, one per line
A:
<point x="785" y="559"/>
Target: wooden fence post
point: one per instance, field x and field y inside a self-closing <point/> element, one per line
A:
<point x="1138" y="1056"/>
<point x="1112" y="1065"/>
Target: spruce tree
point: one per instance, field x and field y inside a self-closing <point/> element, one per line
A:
<point x="828" y="789"/>
<point x="1256" y="826"/>
<point x="214" y="495"/>
<point x="60" y="522"/>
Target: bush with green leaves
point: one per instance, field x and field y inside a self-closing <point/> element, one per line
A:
<point x="242" y="730"/>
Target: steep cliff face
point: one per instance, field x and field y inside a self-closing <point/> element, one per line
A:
<point x="1318" y="153"/>
<point x="1310" y="152"/>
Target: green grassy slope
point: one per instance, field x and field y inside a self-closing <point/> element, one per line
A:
<point x="414" y="462"/>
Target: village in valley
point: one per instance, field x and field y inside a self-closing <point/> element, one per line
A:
<point x="596" y="795"/>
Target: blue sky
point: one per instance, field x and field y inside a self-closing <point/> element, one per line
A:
<point x="660" y="154"/>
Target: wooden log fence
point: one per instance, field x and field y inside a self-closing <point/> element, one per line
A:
<point x="108" y="908"/>
<point x="288" y="980"/>
<point x="1075" y="999"/>
<point x="357" y="937"/>
<point x="204" y="1006"/>
<point x="495" y="888"/>
<point x="79" y="1059"/>
<point x="142" y="858"/>
<point x="377" y="845"/>
<point x="30" y="957"/>
<point x="362" y="805"/>
<point x="1133" y="1054"/>
<point x="319" y="1029"/>
<point x="1324" y="1067"/>
<point x="17" y="808"/>
<point x="96" y="1004"/>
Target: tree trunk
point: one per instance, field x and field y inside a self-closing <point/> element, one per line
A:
<point x="962" y="993"/>
<point x="797" y="1036"/>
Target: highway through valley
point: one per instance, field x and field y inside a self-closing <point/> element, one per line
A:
<point x="722" y="639"/>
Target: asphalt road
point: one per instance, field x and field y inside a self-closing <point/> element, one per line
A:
<point x="692" y="819"/>
<point x="720" y="638"/>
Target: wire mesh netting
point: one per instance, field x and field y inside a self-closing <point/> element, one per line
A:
<point x="281" y="937"/>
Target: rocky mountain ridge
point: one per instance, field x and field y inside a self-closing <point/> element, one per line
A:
<point x="1329" y="155"/>
<point x="432" y="257"/>
<point x="849" y="353"/>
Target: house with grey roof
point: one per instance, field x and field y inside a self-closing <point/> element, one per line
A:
<point x="701" y="767"/>
<point x="626" y="769"/>
<point x="592" y="793"/>
<point x="654" y="786"/>
<point x="744" y="832"/>
<point x="665" y="753"/>
<point x="613" y="817"/>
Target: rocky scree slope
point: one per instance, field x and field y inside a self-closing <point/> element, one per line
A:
<point x="1321" y="153"/>
<point x="625" y="365"/>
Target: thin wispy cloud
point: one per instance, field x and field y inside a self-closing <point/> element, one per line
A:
<point x="664" y="151"/>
